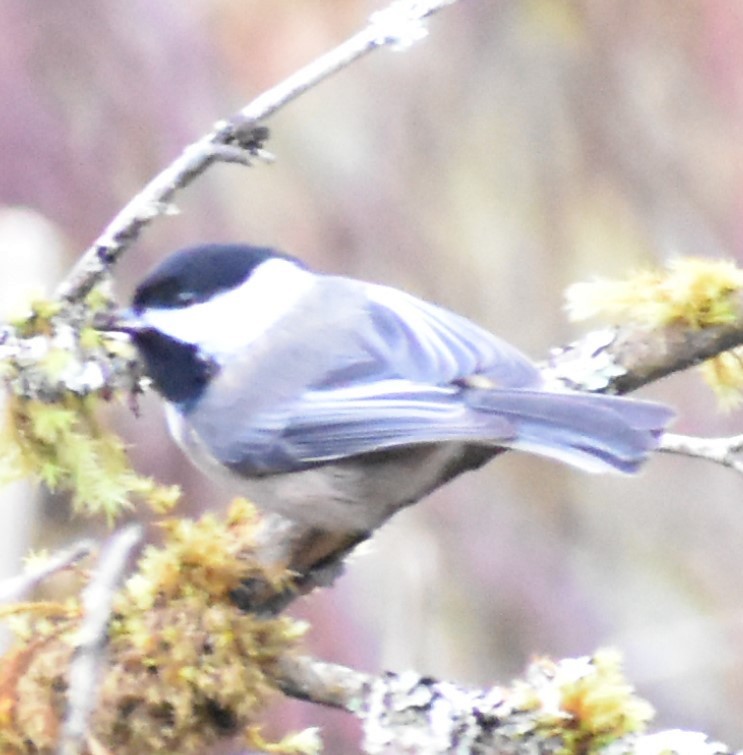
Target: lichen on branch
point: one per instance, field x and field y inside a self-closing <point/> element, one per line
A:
<point x="58" y="369"/>
<point x="571" y="706"/>
<point x="694" y="293"/>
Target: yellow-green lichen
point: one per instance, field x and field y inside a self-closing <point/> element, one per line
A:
<point x="724" y="374"/>
<point x="698" y="293"/>
<point x="55" y="378"/>
<point x="584" y="702"/>
<point x="603" y="705"/>
<point x="37" y="318"/>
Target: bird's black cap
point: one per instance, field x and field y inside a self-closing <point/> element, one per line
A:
<point x="197" y="273"/>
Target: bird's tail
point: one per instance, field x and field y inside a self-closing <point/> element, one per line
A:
<point x="594" y="432"/>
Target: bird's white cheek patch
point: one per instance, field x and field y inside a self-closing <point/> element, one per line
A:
<point x="234" y="319"/>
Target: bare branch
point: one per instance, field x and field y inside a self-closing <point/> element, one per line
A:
<point x="87" y="662"/>
<point x="16" y="587"/>
<point x="328" y="684"/>
<point x="398" y="25"/>
<point x="723" y="451"/>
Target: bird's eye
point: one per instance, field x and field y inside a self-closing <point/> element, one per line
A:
<point x="185" y="297"/>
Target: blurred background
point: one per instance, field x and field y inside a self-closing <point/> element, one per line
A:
<point x="524" y="145"/>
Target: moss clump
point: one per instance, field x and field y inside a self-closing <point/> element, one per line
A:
<point x="185" y="667"/>
<point x="64" y="446"/>
<point x="697" y="293"/>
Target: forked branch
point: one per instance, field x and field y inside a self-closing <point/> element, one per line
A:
<point x="240" y="138"/>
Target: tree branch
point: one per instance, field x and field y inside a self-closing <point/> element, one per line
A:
<point x="17" y="587"/>
<point x="398" y="25"/>
<point x="623" y="359"/>
<point x="725" y="451"/>
<point x="87" y="662"/>
<point x="573" y="705"/>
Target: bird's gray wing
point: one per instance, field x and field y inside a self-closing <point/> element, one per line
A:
<point x="410" y="338"/>
<point x="336" y="423"/>
<point x="374" y="368"/>
<point x="348" y="421"/>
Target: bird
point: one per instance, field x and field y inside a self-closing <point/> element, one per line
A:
<point x="335" y="402"/>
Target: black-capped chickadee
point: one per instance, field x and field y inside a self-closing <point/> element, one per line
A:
<point x="335" y="402"/>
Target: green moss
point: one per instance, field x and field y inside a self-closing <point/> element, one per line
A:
<point x="63" y="446"/>
<point x="185" y="667"/>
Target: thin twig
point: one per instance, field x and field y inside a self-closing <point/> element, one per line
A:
<point x="16" y="587"/>
<point x="725" y="451"/>
<point x="398" y="25"/>
<point x="91" y="638"/>
<point x="329" y="684"/>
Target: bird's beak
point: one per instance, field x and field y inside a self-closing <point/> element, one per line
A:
<point x="121" y="321"/>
